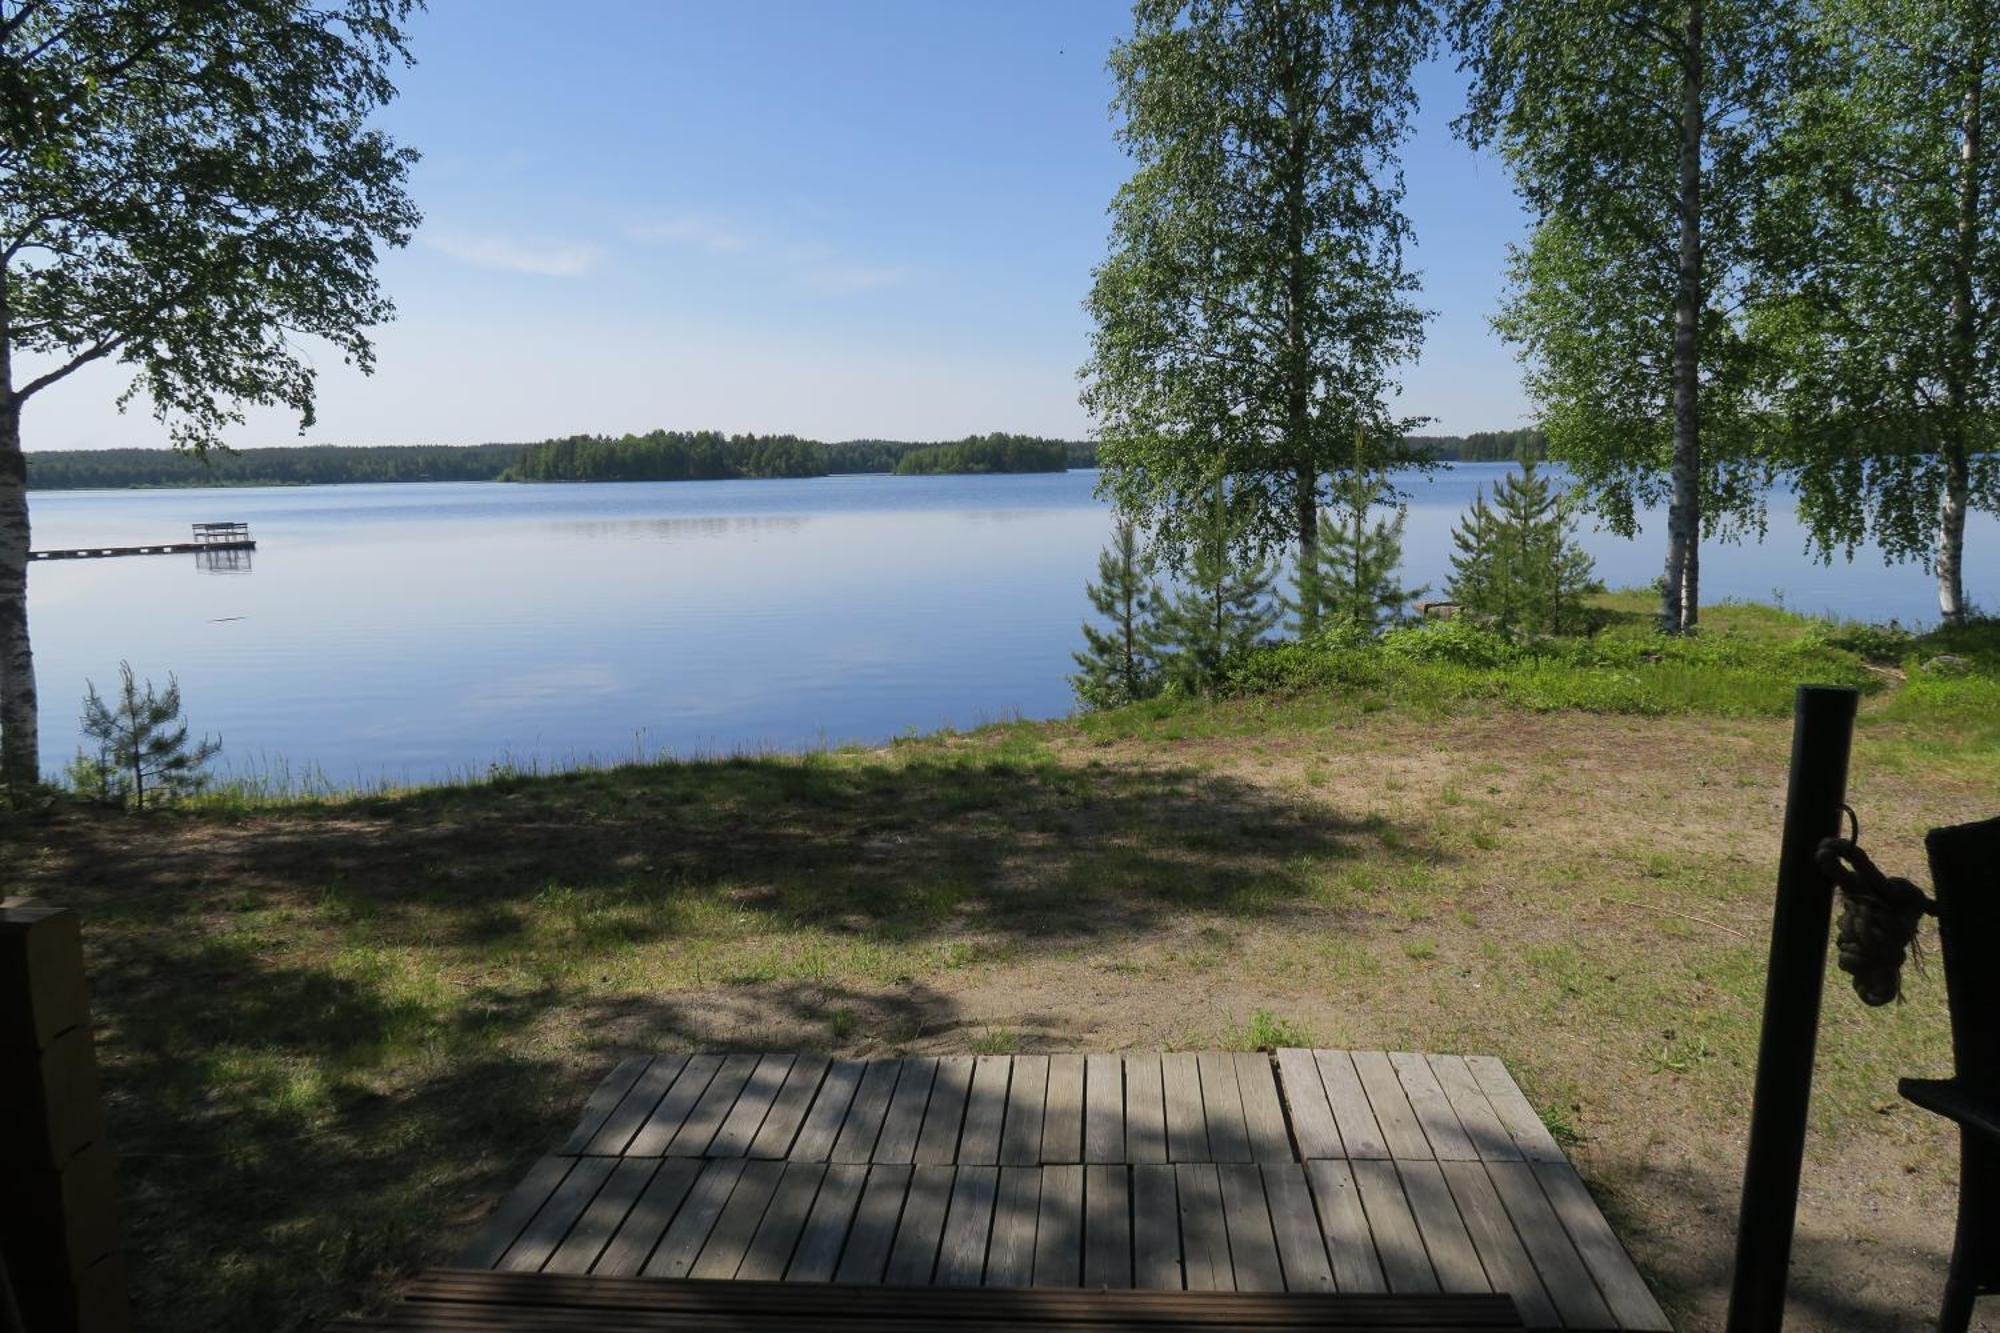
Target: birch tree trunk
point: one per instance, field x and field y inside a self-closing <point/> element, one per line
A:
<point x="1680" y="592"/>
<point x="20" y="746"/>
<point x="1964" y="332"/>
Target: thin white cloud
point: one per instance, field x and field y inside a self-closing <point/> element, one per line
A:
<point x="702" y="233"/>
<point x="842" y="278"/>
<point x="508" y="256"/>
<point x="811" y="264"/>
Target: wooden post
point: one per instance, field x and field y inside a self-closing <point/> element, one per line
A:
<point x="1822" y="733"/>
<point x="59" y="1228"/>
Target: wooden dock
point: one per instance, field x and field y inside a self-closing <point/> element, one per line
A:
<point x="207" y="537"/>
<point x="1307" y="1171"/>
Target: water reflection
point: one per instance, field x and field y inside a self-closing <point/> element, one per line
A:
<point x="413" y="631"/>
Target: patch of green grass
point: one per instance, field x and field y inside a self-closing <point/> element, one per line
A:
<point x="996" y="1041"/>
<point x="1267" y="1032"/>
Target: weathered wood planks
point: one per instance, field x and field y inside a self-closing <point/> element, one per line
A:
<point x="1305" y="1171"/>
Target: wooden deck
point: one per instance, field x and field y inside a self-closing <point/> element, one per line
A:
<point x="1307" y="1171"/>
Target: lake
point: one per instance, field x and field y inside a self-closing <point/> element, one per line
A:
<point x="411" y="632"/>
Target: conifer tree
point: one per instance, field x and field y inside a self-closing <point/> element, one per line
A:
<point x="1516" y="564"/>
<point x="1349" y="575"/>
<point x="141" y="739"/>
<point x="1223" y="609"/>
<point x="1119" y="662"/>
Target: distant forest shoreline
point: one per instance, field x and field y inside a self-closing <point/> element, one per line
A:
<point x="657" y="456"/>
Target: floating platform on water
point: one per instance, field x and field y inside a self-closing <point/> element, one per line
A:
<point x="207" y="537"/>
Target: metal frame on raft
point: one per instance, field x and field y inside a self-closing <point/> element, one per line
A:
<point x="1879" y="920"/>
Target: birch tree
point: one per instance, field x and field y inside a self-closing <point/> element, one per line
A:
<point x="187" y="189"/>
<point x="1255" y="304"/>
<point x="1882" y="300"/>
<point x="1640" y="135"/>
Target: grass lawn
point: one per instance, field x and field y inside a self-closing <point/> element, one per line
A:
<point x="335" y="1030"/>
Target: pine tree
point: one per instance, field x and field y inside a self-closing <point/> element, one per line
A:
<point x="1223" y="608"/>
<point x="1350" y="575"/>
<point x="1516" y="564"/>
<point x="140" y="739"/>
<point x="1119" y="663"/>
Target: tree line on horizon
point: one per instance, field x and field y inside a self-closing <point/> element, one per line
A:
<point x="332" y="465"/>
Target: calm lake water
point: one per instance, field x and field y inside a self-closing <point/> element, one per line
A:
<point x="409" y="632"/>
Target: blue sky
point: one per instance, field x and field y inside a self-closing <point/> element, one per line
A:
<point x="833" y="217"/>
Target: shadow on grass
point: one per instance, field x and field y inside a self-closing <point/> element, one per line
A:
<point x="1885" y="1284"/>
<point x="334" y="1035"/>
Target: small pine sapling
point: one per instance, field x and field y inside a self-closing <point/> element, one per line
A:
<point x="1222" y="610"/>
<point x="1119" y="663"/>
<point x="142" y="745"/>
<point x="1516" y="565"/>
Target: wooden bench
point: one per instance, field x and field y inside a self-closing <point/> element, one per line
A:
<point x="465" y="1301"/>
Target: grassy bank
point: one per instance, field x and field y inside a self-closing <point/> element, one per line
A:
<point x="336" y="1029"/>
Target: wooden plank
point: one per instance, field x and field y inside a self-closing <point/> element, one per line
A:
<point x="1560" y="1267"/>
<point x="1452" y="1252"/>
<point x="681" y="1245"/>
<point x="985" y="1111"/>
<point x="1187" y="1127"/>
<point x="665" y="1120"/>
<point x="1263" y="1114"/>
<point x="874" y="1231"/>
<point x="703" y="1122"/>
<point x="1490" y="1139"/>
<point x="784" y="1222"/>
<point x="601" y="1220"/>
<point x="1027" y="1103"/>
<point x="968" y="1225"/>
<point x="829" y="1108"/>
<point x="1402" y="1136"/>
<point x="1107" y="1225"/>
<point x="1059" y="1227"/>
<point x="913" y="1258"/>
<point x="1530" y="1135"/>
<point x="1062" y="1122"/>
<point x="497" y="1234"/>
<point x="1104" y="1109"/>
<point x="1361" y="1134"/>
<point x="938" y="1143"/>
<point x="1204" y="1234"/>
<point x="552" y="1221"/>
<point x="1350" y="1243"/>
<point x="788" y="1112"/>
<point x="1448" y="1139"/>
<point x="515" y="1300"/>
<point x="1619" y="1282"/>
<point x="1156" y="1231"/>
<point x="636" y="1106"/>
<point x="740" y="1128"/>
<point x="1253" y="1246"/>
<point x="642" y="1228"/>
<point x="1222" y="1108"/>
<point x="858" y="1132"/>
<point x="1305" y="1097"/>
<point x="729" y="1241"/>
<point x="1406" y="1265"/>
<point x="1301" y="1245"/>
<point x="1145" y="1110"/>
<point x="825" y="1235"/>
<point x="905" y="1121"/>
<point x="1501" y="1252"/>
<point x="1010" y="1258"/>
<point x="602" y="1100"/>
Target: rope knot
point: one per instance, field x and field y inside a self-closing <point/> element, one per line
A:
<point x="1879" y="916"/>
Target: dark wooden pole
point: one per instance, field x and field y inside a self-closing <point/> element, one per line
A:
<point x="1822" y="733"/>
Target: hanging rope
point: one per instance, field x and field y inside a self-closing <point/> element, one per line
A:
<point x="1879" y="916"/>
